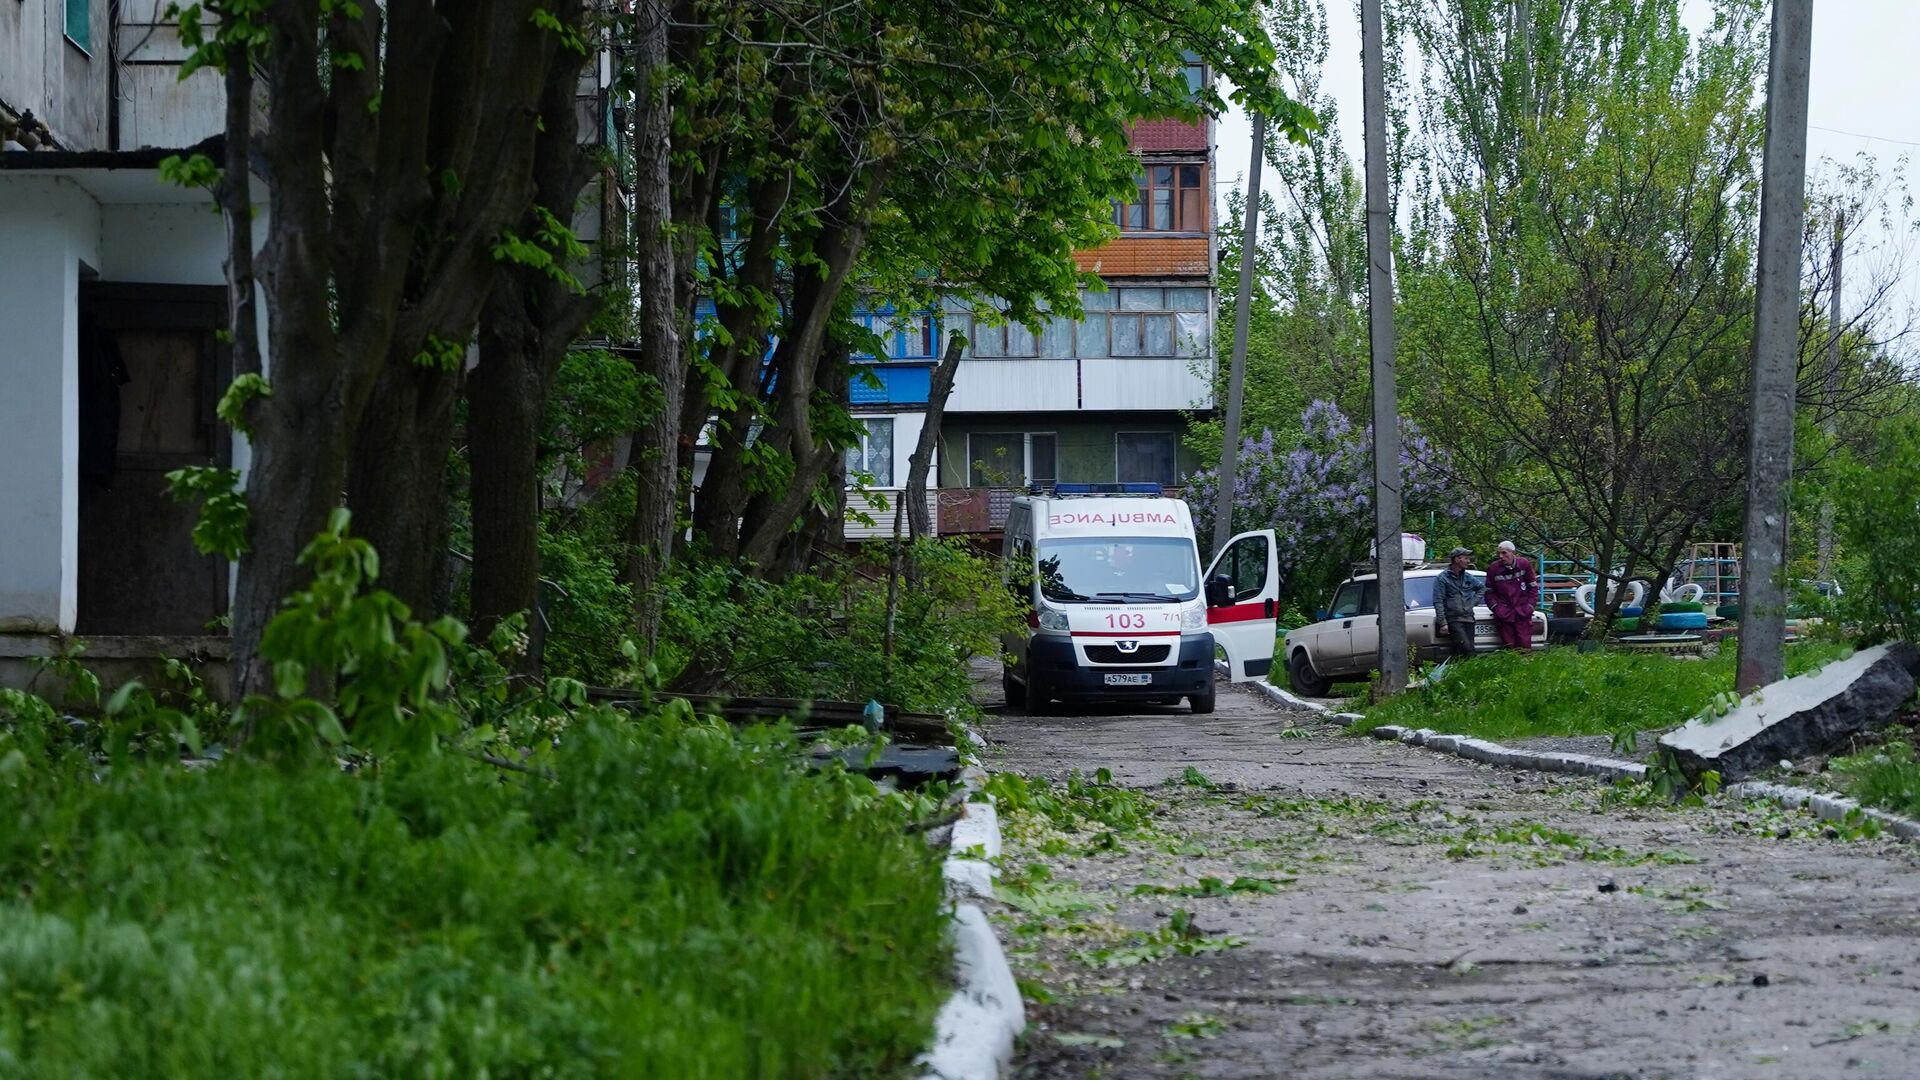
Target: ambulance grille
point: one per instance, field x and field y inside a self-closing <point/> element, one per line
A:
<point x="1145" y="654"/>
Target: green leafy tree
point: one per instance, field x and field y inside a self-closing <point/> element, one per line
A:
<point x="880" y="148"/>
<point x="397" y="153"/>
<point x="1588" y="317"/>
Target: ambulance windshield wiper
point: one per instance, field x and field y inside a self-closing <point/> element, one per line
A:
<point x="1143" y="596"/>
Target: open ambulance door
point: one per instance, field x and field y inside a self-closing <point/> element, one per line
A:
<point x="1243" y="593"/>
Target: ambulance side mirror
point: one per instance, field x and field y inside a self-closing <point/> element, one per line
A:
<point x="1220" y="592"/>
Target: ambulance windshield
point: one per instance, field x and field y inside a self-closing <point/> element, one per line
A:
<point x="1111" y="570"/>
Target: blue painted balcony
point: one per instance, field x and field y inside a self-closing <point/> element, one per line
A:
<point x="900" y="383"/>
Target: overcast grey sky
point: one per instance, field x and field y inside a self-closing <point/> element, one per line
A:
<point x="1864" y="96"/>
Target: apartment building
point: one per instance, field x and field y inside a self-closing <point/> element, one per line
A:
<point x="1103" y="399"/>
<point x="113" y="293"/>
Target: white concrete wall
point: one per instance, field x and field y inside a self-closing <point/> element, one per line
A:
<point x="906" y="435"/>
<point x="1144" y="383"/>
<point x="23" y="54"/>
<point x="1016" y="386"/>
<point x="1149" y="383"/>
<point x="51" y="227"/>
<point x="40" y="70"/>
<point x="176" y="243"/>
<point x="157" y="106"/>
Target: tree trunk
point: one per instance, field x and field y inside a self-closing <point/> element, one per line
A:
<point x="656" y="447"/>
<point x="525" y="329"/>
<point x="293" y="484"/>
<point x="298" y="463"/>
<point x="810" y="365"/>
<point x="918" y="520"/>
<point x="723" y="493"/>
<point x="505" y="402"/>
<point x="397" y="480"/>
<point x="370" y="252"/>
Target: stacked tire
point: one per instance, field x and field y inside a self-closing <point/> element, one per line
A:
<point x="1682" y="615"/>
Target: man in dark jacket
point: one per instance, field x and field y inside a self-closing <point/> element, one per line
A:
<point x="1512" y="591"/>
<point x="1455" y="594"/>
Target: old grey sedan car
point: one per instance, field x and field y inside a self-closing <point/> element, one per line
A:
<point x="1345" y="643"/>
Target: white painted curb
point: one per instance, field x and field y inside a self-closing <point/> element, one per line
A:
<point x="975" y="1030"/>
<point x="1291" y="700"/>
<point x="974" y="841"/>
<point x="1825" y="807"/>
<point x="1493" y="753"/>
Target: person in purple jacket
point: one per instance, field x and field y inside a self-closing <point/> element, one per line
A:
<point x="1512" y="591"/>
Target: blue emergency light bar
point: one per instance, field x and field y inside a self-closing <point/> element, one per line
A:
<point x="1107" y="489"/>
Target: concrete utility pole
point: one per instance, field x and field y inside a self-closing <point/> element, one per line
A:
<point x="1237" y="374"/>
<point x="1833" y="385"/>
<point x="1386" y="393"/>
<point x="1763" y="562"/>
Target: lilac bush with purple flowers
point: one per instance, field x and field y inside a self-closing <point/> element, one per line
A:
<point x="1317" y="494"/>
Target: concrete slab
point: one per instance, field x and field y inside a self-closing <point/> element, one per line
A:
<point x="1807" y="714"/>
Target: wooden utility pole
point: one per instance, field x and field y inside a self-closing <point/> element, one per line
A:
<point x="1776" y="328"/>
<point x="1832" y="389"/>
<point x="1386" y="395"/>
<point x="1237" y="373"/>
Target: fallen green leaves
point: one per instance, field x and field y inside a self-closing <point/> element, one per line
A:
<point x="1213" y="886"/>
<point x="1180" y="937"/>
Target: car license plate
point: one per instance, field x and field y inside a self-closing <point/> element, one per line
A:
<point x="1483" y="628"/>
<point x="1117" y="679"/>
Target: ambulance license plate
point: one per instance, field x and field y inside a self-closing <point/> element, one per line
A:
<point x="1129" y="680"/>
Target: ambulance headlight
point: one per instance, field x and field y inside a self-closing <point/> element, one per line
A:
<point x="1194" y="618"/>
<point x="1052" y="618"/>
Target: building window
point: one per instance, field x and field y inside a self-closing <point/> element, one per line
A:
<point x="79" y="26"/>
<point x="1168" y="198"/>
<point x="1151" y="322"/>
<point x="1144" y="457"/>
<point x="873" y="457"/>
<point x="1142" y="335"/>
<point x="919" y="336"/>
<point x="1196" y="76"/>
<point x="902" y="337"/>
<point x="1010" y="458"/>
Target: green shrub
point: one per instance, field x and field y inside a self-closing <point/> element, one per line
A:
<point x="821" y="635"/>
<point x="678" y="901"/>
<point x="1562" y="691"/>
<point x="1886" y="776"/>
<point x="1877" y="519"/>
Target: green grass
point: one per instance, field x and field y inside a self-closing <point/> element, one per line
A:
<point x="1561" y="691"/>
<point x="1886" y="776"/>
<point x="680" y="901"/>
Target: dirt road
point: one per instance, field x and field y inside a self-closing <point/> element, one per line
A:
<point x="1382" y="911"/>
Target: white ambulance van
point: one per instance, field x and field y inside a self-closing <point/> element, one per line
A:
<point x="1117" y="609"/>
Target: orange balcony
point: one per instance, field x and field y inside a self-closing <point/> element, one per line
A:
<point x="1157" y="136"/>
<point x="1147" y="256"/>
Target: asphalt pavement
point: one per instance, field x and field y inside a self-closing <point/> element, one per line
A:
<point x="1380" y="911"/>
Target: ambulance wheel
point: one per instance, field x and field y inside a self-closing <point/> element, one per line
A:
<point x="1035" y="695"/>
<point x="1202" y="703"/>
<point x="1016" y="691"/>
<point x="1304" y="679"/>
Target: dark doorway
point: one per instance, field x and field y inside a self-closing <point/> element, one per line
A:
<point x="151" y="369"/>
